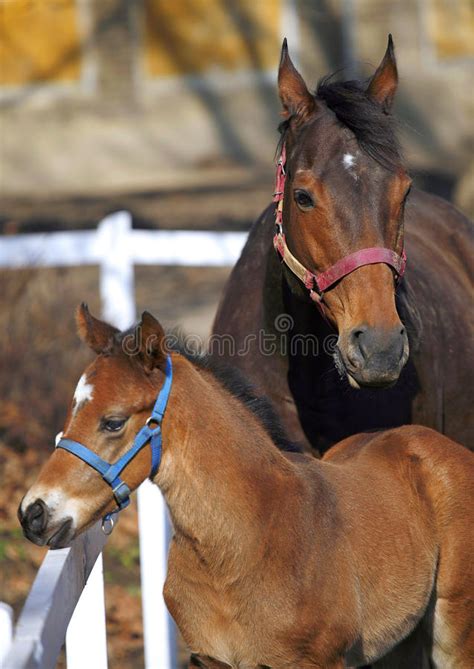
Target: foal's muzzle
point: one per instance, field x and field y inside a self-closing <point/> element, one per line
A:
<point x="373" y="357"/>
<point x="35" y="521"/>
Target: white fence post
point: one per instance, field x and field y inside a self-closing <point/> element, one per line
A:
<point x="116" y="287"/>
<point x="6" y="630"/>
<point x="88" y="622"/>
<point x="118" y="308"/>
<point x="155" y="531"/>
<point x="117" y="290"/>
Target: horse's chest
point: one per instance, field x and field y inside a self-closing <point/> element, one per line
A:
<point x="209" y="621"/>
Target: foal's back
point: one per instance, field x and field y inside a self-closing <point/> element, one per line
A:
<point x="409" y="493"/>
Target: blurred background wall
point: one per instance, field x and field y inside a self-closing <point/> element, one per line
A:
<point x="103" y="98"/>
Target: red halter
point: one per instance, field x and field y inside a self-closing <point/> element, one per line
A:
<point x="318" y="283"/>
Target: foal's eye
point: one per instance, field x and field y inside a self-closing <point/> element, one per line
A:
<point x="303" y="199"/>
<point x="113" y="424"/>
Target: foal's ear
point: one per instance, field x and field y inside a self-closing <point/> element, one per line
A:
<point x="93" y="332"/>
<point x="383" y="85"/>
<point x="297" y="101"/>
<point x="152" y="342"/>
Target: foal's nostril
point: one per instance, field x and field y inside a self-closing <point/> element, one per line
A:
<point x="36" y="517"/>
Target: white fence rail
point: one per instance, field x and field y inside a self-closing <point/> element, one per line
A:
<point x="41" y="628"/>
<point x="60" y="606"/>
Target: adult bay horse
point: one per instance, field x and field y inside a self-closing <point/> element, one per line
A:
<point x="278" y="560"/>
<point x="349" y="214"/>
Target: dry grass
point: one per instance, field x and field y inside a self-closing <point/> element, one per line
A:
<point x="40" y="354"/>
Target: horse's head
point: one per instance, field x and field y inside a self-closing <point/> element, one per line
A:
<point x="111" y="404"/>
<point x="345" y="191"/>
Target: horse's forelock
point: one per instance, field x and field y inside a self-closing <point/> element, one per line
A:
<point x="374" y="128"/>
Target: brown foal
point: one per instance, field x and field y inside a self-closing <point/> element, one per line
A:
<point x="278" y="560"/>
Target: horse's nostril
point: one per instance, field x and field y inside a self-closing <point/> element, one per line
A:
<point x="359" y="337"/>
<point x="36" y="516"/>
<point x="368" y="344"/>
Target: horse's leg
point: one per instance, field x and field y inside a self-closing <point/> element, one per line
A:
<point x="451" y="622"/>
<point x="409" y="653"/>
<point x="453" y="633"/>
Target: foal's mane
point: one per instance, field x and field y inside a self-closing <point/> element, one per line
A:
<point x="235" y="383"/>
<point x="373" y="127"/>
<point x="230" y="378"/>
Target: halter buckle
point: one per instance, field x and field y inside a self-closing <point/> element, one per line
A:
<point x="108" y="523"/>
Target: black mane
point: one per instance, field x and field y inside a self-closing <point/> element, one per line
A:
<point x="237" y="385"/>
<point x="229" y="378"/>
<point x="366" y="118"/>
<point x="373" y="127"/>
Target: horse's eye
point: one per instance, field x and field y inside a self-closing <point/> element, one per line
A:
<point x="113" y="424"/>
<point x="303" y="199"/>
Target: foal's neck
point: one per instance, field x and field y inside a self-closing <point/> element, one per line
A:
<point x="221" y="474"/>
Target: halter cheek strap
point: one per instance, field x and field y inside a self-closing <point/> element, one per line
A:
<point x="318" y="283"/>
<point x="149" y="433"/>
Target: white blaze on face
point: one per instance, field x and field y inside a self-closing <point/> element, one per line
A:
<point x="83" y="393"/>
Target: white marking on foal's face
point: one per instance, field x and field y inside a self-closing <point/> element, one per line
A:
<point x="59" y="504"/>
<point x="83" y="393"/>
<point x="349" y="162"/>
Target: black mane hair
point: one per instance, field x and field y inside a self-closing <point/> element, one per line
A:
<point x="238" y="385"/>
<point x="373" y="127"/>
<point x="230" y="378"/>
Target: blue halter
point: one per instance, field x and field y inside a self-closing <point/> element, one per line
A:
<point x="111" y="472"/>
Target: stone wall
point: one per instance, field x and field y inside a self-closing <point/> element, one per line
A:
<point x="106" y="95"/>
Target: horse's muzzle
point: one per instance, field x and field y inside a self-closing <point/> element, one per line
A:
<point x="35" y="521"/>
<point x="373" y="357"/>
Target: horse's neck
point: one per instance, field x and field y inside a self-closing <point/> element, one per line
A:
<point x="221" y="475"/>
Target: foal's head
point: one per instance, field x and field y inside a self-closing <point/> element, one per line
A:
<point x="111" y="403"/>
<point x="345" y="190"/>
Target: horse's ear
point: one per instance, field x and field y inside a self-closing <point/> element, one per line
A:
<point x="93" y="332"/>
<point x="383" y="85"/>
<point x="152" y="342"/>
<point x="297" y="101"/>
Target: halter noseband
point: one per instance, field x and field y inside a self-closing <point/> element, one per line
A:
<point x="150" y="432"/>
<point x="318" y="283"/>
